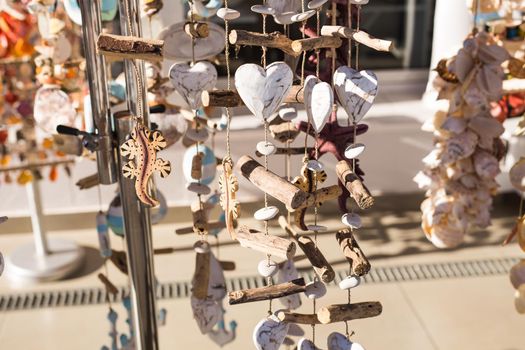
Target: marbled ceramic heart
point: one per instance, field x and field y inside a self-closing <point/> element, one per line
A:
<point x="318" y="101"/>
<point x="356" y="91"/>
<point x="269" y="333"/>
<point x="305" y="344"/>
<point x="263" y="90"/>
<point x="288" y="272"/>
<point x="190" y="82"/>
<point x="337" y="341"/>
<point x="206" y="312"/>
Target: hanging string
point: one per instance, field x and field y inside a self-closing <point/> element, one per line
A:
<point x="350" y="38"/>
<point x="264" y="49"/>
<point x="303" y="61"/>
<point x="358" y="27"/>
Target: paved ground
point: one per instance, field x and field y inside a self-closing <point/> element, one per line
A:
<point x="444" y="313"/>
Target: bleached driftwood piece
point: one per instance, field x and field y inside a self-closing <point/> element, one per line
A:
<point x="292" y="317"/>
<point x="359" y="264"/>
<point x="359" y="36"/>
<point x="316" y="43"/>
<point x="275" y="40"/>
<point x="347" y="312"/>
<point x="267" y="244"/>
<point x="266" y="293"/>
<point x="354" y="185"/>
<point x="130" y="47"/>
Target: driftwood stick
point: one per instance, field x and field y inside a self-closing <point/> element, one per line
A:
<point x="201" y="276"/>
<point x="287" y="151"/>
<point x="322" y="195"/>
<point x="354" y="185"/>
<point x="221" y="98"/>
<point x="215" y="225"/>
<point x="359" y="264"/>
<point x="130" y="47"/>
<point x="88" y="182"/>
<point x="198" y="212"/>
<point x="110" y="287"/>
<point x="197" y="30"/>
<point x="316" y="43"/>
<point x="295" y="95"/>
<point x="321" y="266"/>
<point x="267" y="244"/>
<point x="359" y="36"/>
<point x="272" y="184"/>
<point x="287" y="316"/>
<point x="227" y="265"/>
<point x="275" y="40"/>
<point x="284" y="131"/>
<point x="163" y="251"/>
<point x="266" y="293"/>
<point x="347" y="312"/>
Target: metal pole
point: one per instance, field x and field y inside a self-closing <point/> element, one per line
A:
<point x="137" y="227"/>
<point x="35" y="210"/>
<point x="98" y="88"/>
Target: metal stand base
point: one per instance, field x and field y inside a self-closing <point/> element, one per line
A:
<point x="64" y="258"/>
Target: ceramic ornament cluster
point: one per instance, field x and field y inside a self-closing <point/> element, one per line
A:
<point x="460" y="172"/>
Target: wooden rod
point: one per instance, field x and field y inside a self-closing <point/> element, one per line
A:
<point x="267" y="244"/>
<point x="316" y="258"/>
<point x="348" y="312"/>
<point x="292" y="317"/>
<point x="201" y="276"/>
<point x="272" y="184"/>
<point x="229" y="98"/>
<point x="322" y="195"/>
<point x="36" y="165"/>
<point x="285" y="132"/>
<point x="275" y="40"/>
<point x="216" y="225"/>
<point x="316" y="43"/>
<point x="359" y="36"/>
<point x="266" y="293"/>
<point x="110" y="287"/>
<point x="359" y="263"/>
<point x="354" y="185"/>
<point x="130" y="47"/>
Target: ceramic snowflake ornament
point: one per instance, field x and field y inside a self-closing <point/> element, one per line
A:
<point x="191" y="81"/>
<point x="356" y="91"/>
<point x="318" y="101"/>
<point x="141" y="150"/>
<point x="263" y="90"/>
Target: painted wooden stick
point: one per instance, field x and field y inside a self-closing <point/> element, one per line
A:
<point x="266" y="293"/>
<point x="110" y="287"/>
<point x="215" y="225"/>
<point x="354" y="185"/>
<point x="347" y="312"/>
<point x="292" y="317"/>
<point x="321" y="266"/>
<point x="197" y="30"/>
<point x="229" y="98"/>
<point x="272" y="184"/>
<point x="130" y="47"/>
<point x="286" y="151"/>
<point x="359" y="36"/>
<point x="268" y="244"/>
<point x="316" y="43"/>
<point x="201" y="276"/>
<point x="275" y="40"/>
<point x="359" y="264"/>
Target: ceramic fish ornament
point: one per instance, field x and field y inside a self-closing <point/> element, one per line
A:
<point x="206" y="312"/>
<point x="337" y="341"/>
<point x="191" y="81"/>
<point x="269" y="333"/>
<point x="141" y="150"/>
<point x="356" y="91"/>
<point x="263" y="90"/>
<point x="318" y="101"/>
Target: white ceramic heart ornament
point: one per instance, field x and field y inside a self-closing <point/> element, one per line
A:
<point x="318" y="101"/>
<point x="269" y="333"/>
<point x="305" y="344"/>
<point x="263" y="91"/>
<point x="337" y="341"/>
<point x="356" y="90"/>
<point x="191" y="81"/>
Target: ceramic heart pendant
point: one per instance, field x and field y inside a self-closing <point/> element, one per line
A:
<point x="318" y="101"/>
<point x="206" y="312"/>
<point x="305" y="344"/>
<point x="356" y="90"/>
<point x="269" y="333"/>
<point x="190" y="82"/>
<point x="263" y="90"/>
<point x="288" y="272"/>
<point x="337" y="341"/>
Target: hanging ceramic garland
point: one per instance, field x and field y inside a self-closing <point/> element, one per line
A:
<point x="460" y="172"/>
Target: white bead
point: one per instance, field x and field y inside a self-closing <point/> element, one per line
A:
<point x="315" y="290"/>
<point x="198" y="188"/>
<point x="288" y="113"/>
<point x="228" y="14"/>
<point x="266" y="148"/>
<point x="350" y="282"/>
<point x="199" y="135"/>
<point x="314" y="165"/>
<point x="351" y="220"/>
<point x="317" y="228"/>
<point x="266" y="269"/>
<point x="300" y="17"/>
<point x="263" y="9"/>
<point x="201" y="247"/>
<point x="354" y="151"/>
<point x="316" y="4"/>
<point x="265" y="214"/>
